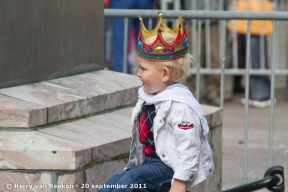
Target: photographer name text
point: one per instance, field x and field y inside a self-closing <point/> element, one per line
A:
<point x="40" y="186"/>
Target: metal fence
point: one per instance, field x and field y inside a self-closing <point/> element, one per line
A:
<point x="198" y="18"/>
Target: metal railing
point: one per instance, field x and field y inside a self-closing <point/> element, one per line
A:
<point x="201" y="17"/>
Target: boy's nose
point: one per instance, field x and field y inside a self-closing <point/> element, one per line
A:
<point x="138" y="73"/>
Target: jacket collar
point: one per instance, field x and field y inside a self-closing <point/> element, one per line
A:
<point x="176" y="92"/>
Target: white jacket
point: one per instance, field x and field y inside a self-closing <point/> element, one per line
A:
<point x="184" y="149"/>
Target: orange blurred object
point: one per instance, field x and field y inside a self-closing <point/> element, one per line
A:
<point x="258" y="27"/>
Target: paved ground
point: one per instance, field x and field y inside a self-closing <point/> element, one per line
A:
<point x="258" y="139"/>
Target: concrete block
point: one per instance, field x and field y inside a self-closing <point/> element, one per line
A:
<point x="98" y="174"/>
<point x="18" y="113"/>
<point x="75" y="182"/>
<point x="25" y="182"/>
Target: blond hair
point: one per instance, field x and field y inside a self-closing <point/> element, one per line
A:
<point x="180" y="67"/>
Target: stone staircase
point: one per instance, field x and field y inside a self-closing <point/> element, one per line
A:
<point x="71" y="133"/>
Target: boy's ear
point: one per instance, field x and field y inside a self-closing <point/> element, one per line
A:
<point x="166" y="74"/>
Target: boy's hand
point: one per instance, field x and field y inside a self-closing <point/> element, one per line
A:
<point x="178" y="186"/>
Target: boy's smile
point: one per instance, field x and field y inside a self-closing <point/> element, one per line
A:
<point x="153" y="79"/>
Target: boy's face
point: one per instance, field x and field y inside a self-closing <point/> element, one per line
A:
<point x="151" y="77"/>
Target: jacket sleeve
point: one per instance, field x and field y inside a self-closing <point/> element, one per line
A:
<point x="186" y="129"/>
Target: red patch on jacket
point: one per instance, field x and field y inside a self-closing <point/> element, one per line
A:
<point x="186" y="126"/>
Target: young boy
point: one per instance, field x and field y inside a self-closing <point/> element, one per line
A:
<point x="169" y="148"/>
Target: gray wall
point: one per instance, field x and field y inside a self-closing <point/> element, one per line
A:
<point x="44" y="39"/>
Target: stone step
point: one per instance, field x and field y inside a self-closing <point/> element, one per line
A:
<point x="68" y="145"/>
<point x="18" y="113"/>
<point x="65" y="98"/>
<point x="79" y="143"/>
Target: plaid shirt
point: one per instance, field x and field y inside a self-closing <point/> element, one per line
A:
<point x="145" y="127"/>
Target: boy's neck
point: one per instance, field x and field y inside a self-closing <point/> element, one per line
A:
<point x="169" y="83"/>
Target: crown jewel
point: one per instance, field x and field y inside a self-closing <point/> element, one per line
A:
<point x="160" y="49"/>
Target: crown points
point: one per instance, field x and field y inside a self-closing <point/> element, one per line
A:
<point x="159" y="49"/>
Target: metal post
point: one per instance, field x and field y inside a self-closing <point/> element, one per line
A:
<point x="198" y="60"/>
<point x="235" y="41"/>
<point x="248" y="66"/>
<point x="207" y="38"/>
<point x="125" y="45"/>
<point x="222" y="61"/>
<point x="262" y="43"/>
<point x="194" y="30"/>
<point x="277" y="43"/>
<point x="272" y="96"/>
<point x="286" y="59"/>
<point x="150" y="24"/>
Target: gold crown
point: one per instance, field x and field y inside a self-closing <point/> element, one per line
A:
<point x="160" y="49"/>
